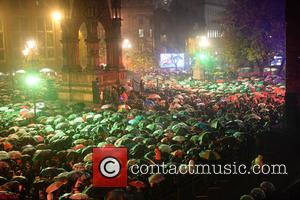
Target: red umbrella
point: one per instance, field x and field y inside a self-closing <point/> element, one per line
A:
<point x="55" y="186"/>
<point x="137" y="184"/>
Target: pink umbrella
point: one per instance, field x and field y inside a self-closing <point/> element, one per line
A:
<point x="154" y="96"/>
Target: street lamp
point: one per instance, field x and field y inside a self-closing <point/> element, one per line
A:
<point x="32" y="82"/>
<point x="204" y="42"/>
<point x="56" y="16"/>
<point x="29" y="50"/>
<point x="31" y="44"/>
<point x="25" y="52"/>
<point x="126" y="45"/>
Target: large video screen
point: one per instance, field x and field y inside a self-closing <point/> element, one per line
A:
<point x="172" y="60"/>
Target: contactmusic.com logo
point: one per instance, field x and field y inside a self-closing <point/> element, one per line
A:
<point x="109" y="167"/>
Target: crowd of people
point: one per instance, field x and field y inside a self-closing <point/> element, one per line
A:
<point x="178" y="122"/>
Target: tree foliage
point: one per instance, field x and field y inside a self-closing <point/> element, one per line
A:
<point x="141" y="60"/>
<point x="254" y="31"/>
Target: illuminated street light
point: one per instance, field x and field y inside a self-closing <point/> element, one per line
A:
<point x="126" y="44"/>
<point x="204" y="42"/>
<point x="31" y="44"/>
<point x="25" y="52"/>
<point x="32" y="81"/>
<point x="56" y="16"/>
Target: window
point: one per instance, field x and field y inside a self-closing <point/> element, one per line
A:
<point x="50" y="42"/>
<point x="141" y="21"/>
<point x="150" y="33"/>
<point x="141" y="33"/>
<point x="2" y="55"/>
<point x="23" y="23"/>
<point x="50" y="53"/>
<point x="41" y="39"/>
<point x="40" y="24"/>
<point x="213" y="34"/>
<point x="164" y="38"/>
<point x="49" y="25"/>
<point x="1" y="42"/>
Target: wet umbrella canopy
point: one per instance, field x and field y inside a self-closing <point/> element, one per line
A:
<point x="188" y="122"/>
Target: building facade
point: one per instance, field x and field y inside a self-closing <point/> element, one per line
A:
<point x="24" y="20"/>
<point x="138" y="27"/>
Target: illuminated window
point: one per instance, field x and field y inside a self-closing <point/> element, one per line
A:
<point x="141" y="33"/>
<point x="150" y="33"/>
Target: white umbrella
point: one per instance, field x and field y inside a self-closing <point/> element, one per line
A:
<point x="46" y="70"/>
<point x="21" y="71"/>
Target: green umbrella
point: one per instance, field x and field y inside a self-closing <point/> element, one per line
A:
<point x="215" y="123"/>
<point x="158" y="133"/>
<point x="154" y="126"/>
<point x="143" y="123"/>
<point x="138" y="151"/>
<point x="180" y="128"/>
<point x="102" y="144"/>
<point x="195" y="139"/>
<point x="138" y="139"/>
<point x="111" y="139"/>
<point x="179" y="138"/>
<point x="4" y="155"/>
<point x="205" y="138"/>
<point x="165" y="148"/>
<point x="192" y="152"/>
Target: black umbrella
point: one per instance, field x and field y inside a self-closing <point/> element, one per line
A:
<point x="51" y="172"/>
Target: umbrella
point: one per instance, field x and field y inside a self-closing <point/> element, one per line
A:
<point x="155" y="179"/>
<point x="177" y="153"/>
<point x="205" y="138"/>
<point x="246" y="197"/>
<point x="137" y="184"/>
<point x="153" y="126"/>
<point x="4" y="155"/>
<point x="88" y="157"/>
<point x="123" y="108"/>
<point x="154" y="96"/>
<point x="46" y="70"/>
<point x="55" y="186"/>
<point x="79" y="196"/>
<point x="165" y="148"/>
<point x="106" y="106"/>
<point x="15" y="155"/>
<point x="267" y="186"/>
<point x="180" y="128"/>
<point x="179" y="138"/>
<point x="51" y="171"/>
<point x="258" y="193"/>
<point x="209" y="155"/>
